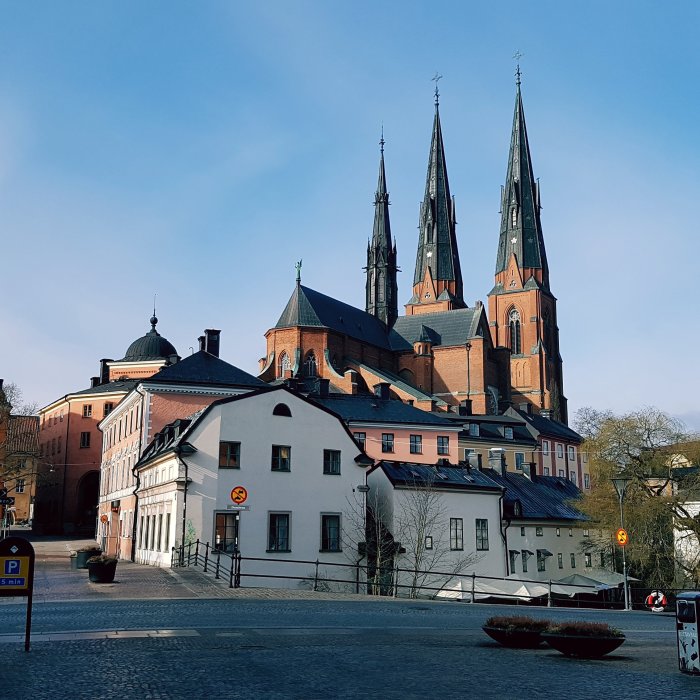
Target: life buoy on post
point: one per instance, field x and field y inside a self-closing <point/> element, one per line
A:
<point x="656" y="601"/>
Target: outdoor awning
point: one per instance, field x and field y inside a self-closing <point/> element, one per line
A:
<point x="544" y="553"/>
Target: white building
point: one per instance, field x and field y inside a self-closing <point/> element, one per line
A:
<point x="268" y="473"/>
<point x="443" y="519"/>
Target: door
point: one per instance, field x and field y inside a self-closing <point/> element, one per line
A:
<point x="226" y="529"/>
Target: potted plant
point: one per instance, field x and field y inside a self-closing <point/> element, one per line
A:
<point x="85" y="553"/>
<point x="516" y="631"/>
<point x="586" y="640"/>
<point x="102" y="569"/>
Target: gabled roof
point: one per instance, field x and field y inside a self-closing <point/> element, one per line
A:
<point x="547" y="427"/>
<point x="205" y="368"/>
<point x="22" y="436"/>
<point x="445" y="329"/>
<point x="543" y="498"/>
<point x="448" y="477"/>
<point x="309" y="308"/>
<point x="371" y="409"/>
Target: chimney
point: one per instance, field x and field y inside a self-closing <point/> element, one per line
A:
<point x="323" y="387"/>
<point x="528" y="470"/>
<point x="104" y="371"/>
<point x="201" y="342"/>
<point x="94" y="381"/>
<point x="381" y="390"/>
<point x="545" y="413"/>
<point x="465" y="407"/>
<point x="212" y="340"/>
<point x="497" y="460"/>
<point x="474" y="461"/>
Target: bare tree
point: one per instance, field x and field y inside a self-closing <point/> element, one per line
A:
<point x="422" y="525"/>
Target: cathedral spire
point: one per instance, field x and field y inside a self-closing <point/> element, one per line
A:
<point x="521" y="230"/>
<point x="437" y="258"/>
<point x="381" y="286"/>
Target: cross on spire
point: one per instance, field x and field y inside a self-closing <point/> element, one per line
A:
<point x="436" y="78"/>
<point x="517" y="56"/>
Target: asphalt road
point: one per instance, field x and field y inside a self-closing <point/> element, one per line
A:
<point x="317" y="649"/>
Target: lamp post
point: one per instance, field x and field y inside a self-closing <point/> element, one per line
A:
<point x="620" y="485"/>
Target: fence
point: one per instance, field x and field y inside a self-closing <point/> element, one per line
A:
<point x="235" y="568"/>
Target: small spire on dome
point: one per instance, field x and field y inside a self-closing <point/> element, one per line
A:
<point x="154" y="319"/>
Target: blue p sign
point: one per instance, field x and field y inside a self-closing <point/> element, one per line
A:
<point x="12" y="567"/>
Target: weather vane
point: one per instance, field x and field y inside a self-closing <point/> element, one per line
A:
<point x="436" y="78"/>
<point x="517" y="56"/>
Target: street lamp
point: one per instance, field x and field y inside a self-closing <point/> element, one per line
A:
<point x="620" y="485"/>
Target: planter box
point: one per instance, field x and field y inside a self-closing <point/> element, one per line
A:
<point x="515" y="639"/>
<point x="82" y="557"/>
<point x="584" y="647"/>
<point x="100" y="572"/>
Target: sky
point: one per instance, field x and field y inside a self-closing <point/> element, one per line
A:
<point x="196" y="151"/>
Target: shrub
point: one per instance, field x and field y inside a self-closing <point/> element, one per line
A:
<point x="518" y="623"/>
<point x="585" y="629"/>
<point x="90" y="548"/>
<point x="101" y="559"/>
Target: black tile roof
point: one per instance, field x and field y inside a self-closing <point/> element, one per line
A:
<point x="369" y="408"/>
<point x="125" y="385"/>
<point x="548" y="427"/>
<point x="445" y="329"/>
<point x="450" y="477"/>
<point x="170" y="437"/>
<point x="307" y="307"/>
<point x="205" y="368"/>
<point x="544" y="498"/>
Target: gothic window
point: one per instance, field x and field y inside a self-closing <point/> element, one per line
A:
<point x="284" y="365"/>
<point x="310" y="365"/>
<point x="514" y="332"/>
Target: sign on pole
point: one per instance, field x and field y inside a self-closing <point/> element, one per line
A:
<point x="17" y="574"/>
<point x="622" y="537"/>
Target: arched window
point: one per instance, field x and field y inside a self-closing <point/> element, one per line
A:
<point x="514" y="330"/>
<point x="310" y="365"/>
<point x="283" y="365"/>
<point x="281" y="409"/>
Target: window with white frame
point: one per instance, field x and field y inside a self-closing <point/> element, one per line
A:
<point x="545" y="471"/>
<point x="443" y="444"/>
<point x="572" y="477"/>
<point x="87" y="411"/>
<point x="519" y="460"/>
<point x="19" y="486"/>
<point x="560" y="450"/>
<point x="387" y="442"/>
<point x="545" y="447"/>
<point x="588" y="559"/>
<point x="572" y="453"/>
<point x="360" y="439"/>
<point x="416" y="444"/>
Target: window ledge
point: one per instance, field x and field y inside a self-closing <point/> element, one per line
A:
<point x="330" y="551"/>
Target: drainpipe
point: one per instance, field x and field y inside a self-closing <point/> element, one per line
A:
<point x="184" y="501"/>
<point x="134" y="471"/>
<point x="504" y="531"/>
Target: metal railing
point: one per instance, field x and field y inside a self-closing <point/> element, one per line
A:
<point x="233" y="567"/>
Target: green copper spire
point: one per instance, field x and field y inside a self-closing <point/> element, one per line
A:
<point x="437" y="239"/>
<point x="382" y="286"/>
<point x="521" y="230"/>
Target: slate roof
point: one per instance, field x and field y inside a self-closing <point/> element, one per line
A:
<point x="204" y="368"/>
<point x="445" y="329"/>
<point x="307" y="307"/>
<point x="544" y="498"/>
<point x="125" y="385"/>
<point x="452" y="477"/>
<point x="372" y="409"/>
<point x="165" y="440"/>
<point x="549" y="427"/>
<point x="490" y="428"/>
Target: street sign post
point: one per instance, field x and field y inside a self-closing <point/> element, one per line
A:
<point x="17" y="575"/>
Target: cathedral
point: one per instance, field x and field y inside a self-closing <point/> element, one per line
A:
<point x="441" y="354"/>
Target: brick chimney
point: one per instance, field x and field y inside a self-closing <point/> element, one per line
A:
<point x="104" y="371"/>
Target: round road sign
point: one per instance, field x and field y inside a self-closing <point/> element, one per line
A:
<point x="239" y="494"/>
<point x="103" y="518"/>
<point x="622" y="537"/>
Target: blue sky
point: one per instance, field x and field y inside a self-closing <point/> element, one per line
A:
<point x="197" y="150"/>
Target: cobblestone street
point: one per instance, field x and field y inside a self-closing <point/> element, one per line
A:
<point x="160" y="634"/>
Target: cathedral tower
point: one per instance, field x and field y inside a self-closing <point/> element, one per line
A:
<point x="382" y="286"/>
<point x="437" y="282"/>
<point x="522" y="309"/>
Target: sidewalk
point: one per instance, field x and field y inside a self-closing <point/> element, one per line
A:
<point x="55" y="581"/>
